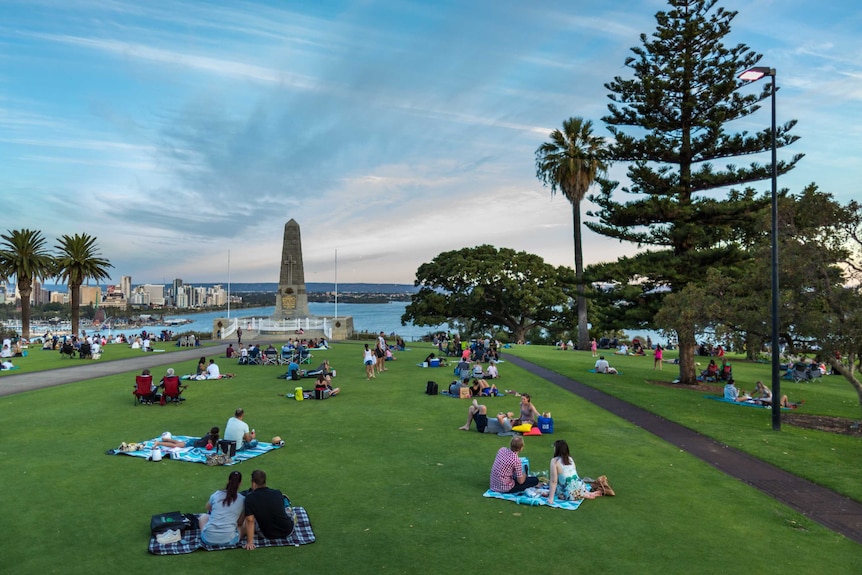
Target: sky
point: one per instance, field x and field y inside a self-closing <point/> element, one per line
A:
<point x="184" y="134"/>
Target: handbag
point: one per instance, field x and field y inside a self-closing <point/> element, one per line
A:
<point x="217" y="459"/>
<point x="173" y="520"/>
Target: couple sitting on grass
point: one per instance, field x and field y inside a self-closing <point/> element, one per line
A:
<point x="762" y="395"/>
<point x="504" y="422"/>
<point x="508" y="475"/>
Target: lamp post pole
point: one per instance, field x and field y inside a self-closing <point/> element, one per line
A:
<point x="753" y="74"/>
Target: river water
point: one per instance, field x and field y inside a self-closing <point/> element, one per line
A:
<point x="371" y="317"/>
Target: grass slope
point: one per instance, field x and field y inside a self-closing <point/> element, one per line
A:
<point x="391" y="485"/>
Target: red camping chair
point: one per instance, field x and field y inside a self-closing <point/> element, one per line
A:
<point x="143" y="389"/>
<point x="172" y="388"/>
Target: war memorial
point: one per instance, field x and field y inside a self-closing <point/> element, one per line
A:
<point x="291" y="316"/>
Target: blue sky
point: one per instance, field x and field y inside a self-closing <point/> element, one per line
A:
<point x="177" y="132"/>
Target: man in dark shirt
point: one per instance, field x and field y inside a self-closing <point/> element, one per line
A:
<point x="265" y="507"/>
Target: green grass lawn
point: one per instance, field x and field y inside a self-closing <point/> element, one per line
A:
<point x="392" y="486"/>
<point x="40" y="360"/>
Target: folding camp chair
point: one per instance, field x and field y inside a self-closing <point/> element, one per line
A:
<point x="270" y="358"/>
<point x="143" y="389"/>
<point x="254" y="357"/>
<point x="173" y="391"/>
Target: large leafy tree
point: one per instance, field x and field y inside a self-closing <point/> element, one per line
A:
<point x="486" y="288"/>
<point x="669" y="121"/>
<point x="570" y="163"/>
<point x="77" y="261"/>
<point x="23" y="254"/>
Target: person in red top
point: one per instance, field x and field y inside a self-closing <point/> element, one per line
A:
<point x="507" y="473"/>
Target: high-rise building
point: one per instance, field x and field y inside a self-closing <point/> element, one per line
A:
<point x="90" y="295"/>
<point x="126" y="286"/>
<point x="156" y="293"/>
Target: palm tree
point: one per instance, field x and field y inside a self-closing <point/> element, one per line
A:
<point x="77" y="261"/>
<point x="570" y="163"/>
<point x="23" y="255"/>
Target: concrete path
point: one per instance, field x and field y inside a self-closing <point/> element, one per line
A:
<point x="80" y="370"/>
<point x="838" y="513"/>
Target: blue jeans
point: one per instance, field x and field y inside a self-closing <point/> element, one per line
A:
<point x="248" y="445"/>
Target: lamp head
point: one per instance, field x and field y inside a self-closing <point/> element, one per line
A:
<point x="756" y="73"/>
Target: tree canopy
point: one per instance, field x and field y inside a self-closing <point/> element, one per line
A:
<point x="489" y="288"/>
<point x="669" y="122"/>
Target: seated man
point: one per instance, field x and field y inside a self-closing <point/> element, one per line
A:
<point x="237" y="431"/>
<point x="213" y="371"/>
<point x="733" y="394"/>
<point x="623" y="350"/>
<point x="230" y="351"/>
<point x="293" y="371"/>
<point x="602" y="366"/>
<point x="507" y="473"/>
<point x="501" y="425"/>
<point x="264" y="511"/>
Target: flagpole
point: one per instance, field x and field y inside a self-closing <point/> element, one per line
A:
<point x="228" y="284"/>
<point x="336" y="283"/>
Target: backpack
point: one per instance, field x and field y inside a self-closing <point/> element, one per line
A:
<point x="431" y="388"/>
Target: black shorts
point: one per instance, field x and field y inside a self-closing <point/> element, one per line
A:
<point x="379" y="353"/>
<point x="481" y="422"/>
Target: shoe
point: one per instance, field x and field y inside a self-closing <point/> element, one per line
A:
<point x="606" y="488"/>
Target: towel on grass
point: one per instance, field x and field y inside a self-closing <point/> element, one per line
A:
<point x="191" y="539"/>
<point x="743" y="403"/>
<point x="594" y="371"/>
<point x="524" y="499"/>
<point x="194" y="454"/>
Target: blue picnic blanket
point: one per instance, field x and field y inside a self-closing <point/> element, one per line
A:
<point x="534" y="501"/>
<point x="742" y="403"/>
<point x="194" y="454"/>
<point x="191" y="541"/>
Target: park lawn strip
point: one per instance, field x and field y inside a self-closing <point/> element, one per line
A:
<point x="41" y="360"/>
<point x="824" y="458"/>
<point x="389" y="482"/>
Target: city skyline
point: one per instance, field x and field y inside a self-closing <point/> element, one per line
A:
<point x="183" y="135"/>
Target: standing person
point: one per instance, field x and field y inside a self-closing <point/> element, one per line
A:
<point x="594" y="347"/>
<point x="368" y="360"/>
<point x="225" y="513"/>
<point x="265" y="508"/>
<point x="238" y="335"/>
<point x="380" y="352"/>
<point x="659" y="354"/>
<point x="507" y="473"/>
<point x="564" y="482"/>
<point x="237" y="430"/>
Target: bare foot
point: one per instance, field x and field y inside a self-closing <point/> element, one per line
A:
<point x="464" y="428"/>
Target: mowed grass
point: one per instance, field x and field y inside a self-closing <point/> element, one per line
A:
<point x="390" y="484"/>
<point x="39" y="359"/>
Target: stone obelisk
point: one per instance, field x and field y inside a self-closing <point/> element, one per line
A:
<point x="291" y="301"/>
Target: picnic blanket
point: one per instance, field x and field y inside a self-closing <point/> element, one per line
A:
<point x="743" y="403"/>
<point x="191" y="540"/>
<point x="533" y="500"/>
<point x="194" y="454"/>
<point x="594" y="371"/>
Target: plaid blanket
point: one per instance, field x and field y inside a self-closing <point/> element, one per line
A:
<point x="194" y="454"/>
<point x="191" y="540"/>
<point x="524" y="499"/>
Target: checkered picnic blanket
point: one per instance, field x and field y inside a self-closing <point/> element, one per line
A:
<point x="194" y="454"/>
<point x="191" y="541"/>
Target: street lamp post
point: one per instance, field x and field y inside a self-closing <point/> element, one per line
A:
<point x="752" y="75"/>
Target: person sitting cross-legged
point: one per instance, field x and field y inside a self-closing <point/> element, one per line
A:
<point x="507" y="472"/>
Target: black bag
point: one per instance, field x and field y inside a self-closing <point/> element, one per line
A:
<point x="171" y="520"/>
<point x="227" y="447"/>
<point x="431" y="388"/>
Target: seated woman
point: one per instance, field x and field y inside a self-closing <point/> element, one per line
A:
<point x="323" y="383"/>
<point x="209" y="440"/>
<point x="220" y="525"/>
<point x="564" y="483"/>
<point x="492" y="372"/>
<point x="711" y="371"/>
<point x="202" y="366"/>
<point x="477" y="370"/>
<point x="763" y="396"/>
<point x="478" y="387"/>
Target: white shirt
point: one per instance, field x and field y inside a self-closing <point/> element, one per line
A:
<point x="602" y="366"/>
<point x="213" y="371"/>
<point x="235" y="430"/>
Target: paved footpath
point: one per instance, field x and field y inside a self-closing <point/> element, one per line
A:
<point x="84" y="369"/>
<point x="837" y="512"/>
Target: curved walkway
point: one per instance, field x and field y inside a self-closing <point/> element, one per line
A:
<point x="837" y="512"/>
<point x="16" y="383"/>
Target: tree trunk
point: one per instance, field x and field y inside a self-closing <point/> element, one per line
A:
<point x="849" y="375"/>
<point x="25" y="291"/>
<point x="583" y="330"/>
<point x="687" y="346"/>
<point x="751" y="347"/>
<point x="75" y="301"/>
